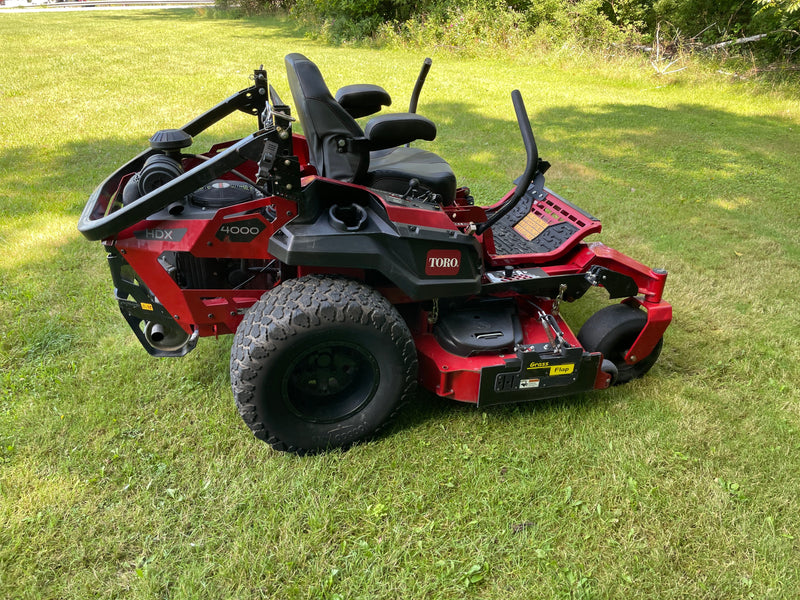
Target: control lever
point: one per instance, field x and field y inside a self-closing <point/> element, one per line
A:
<point x="423" y="73"/>
<point x="531" y="166"/>
<point x="413" y="184"/>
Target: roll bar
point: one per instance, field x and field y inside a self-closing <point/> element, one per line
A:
<point x="97" y="223"/>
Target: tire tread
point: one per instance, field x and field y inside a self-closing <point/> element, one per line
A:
<point x="300" y="304"/>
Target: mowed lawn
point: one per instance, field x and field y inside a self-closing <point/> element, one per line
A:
<point x="125" y="476"/>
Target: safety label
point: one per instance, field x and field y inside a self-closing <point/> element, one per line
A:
<point x="531" y="226"/>
<point x="528" y="383"/>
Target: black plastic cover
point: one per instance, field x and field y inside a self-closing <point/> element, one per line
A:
<point x="170" y="140"/>
<point x="483" y="327"/>
<point x="222" y="192"/>
<point x="398" y="251"/>
<point x="536" y="373"/>
<point x="138" y="306"/>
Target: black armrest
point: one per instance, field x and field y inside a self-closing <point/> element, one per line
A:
<point x="388" y="131"/>
<point x="363" y="99"/>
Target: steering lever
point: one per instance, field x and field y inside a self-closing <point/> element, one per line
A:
<point x="531" y="166"/>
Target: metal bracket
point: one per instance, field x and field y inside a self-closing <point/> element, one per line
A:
<point x="616" y="284"/>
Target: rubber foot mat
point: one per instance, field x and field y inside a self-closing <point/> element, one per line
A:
<point x="523" y="232"/>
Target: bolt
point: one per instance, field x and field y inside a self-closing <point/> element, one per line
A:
<point x="288" y="187"/>
<point x="210" y="315"/>
<point x="287" y="162"/>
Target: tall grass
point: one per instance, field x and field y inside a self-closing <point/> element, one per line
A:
<point x="123" y="476"/>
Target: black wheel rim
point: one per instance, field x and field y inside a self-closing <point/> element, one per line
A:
<point x="330" y="382"/>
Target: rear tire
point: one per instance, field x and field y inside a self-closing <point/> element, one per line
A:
<point x="612" y="331"/>
<point x="321" y="362"/>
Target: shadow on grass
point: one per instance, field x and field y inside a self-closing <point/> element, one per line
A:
<point x="427" y="407"/>
<point x="682" y="155"/>
<point x="687" y="152"/>
<point x="34" y="182"/>
<point x="276" y="26"/>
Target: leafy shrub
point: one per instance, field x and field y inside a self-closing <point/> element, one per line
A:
<point x="362" y="10"/>
<point x="472" y="25"/>
<point x="255" y="7"/>
<point x="470" y="28"/>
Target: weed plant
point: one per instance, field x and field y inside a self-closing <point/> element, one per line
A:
<point x="124" y="476"/>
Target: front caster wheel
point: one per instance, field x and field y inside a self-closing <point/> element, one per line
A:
<point x="321" y="362"/>
<point x="612" y="331"/>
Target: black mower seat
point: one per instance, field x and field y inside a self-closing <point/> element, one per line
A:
<point x="391" y="170"/>
<point x="340" y="149"/>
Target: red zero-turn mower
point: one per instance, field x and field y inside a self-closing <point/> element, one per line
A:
<point x="350" y="266"/>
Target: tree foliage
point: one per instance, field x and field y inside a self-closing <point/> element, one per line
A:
<point x="697" y="22"/>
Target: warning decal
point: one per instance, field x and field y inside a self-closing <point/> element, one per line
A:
<point x="531" y="226"/>
<point x="528" y="383"/>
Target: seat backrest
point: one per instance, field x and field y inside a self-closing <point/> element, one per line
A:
<point x="336" y="143"/>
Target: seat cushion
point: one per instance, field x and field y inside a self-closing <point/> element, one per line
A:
<point x="391" y="170"/>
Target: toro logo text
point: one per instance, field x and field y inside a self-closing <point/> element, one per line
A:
<point x="443" y="262"/>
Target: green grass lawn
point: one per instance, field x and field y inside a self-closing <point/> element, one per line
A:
<point x="124" y="476"/>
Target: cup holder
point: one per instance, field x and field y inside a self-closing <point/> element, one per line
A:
<point x="347" y="217"/>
